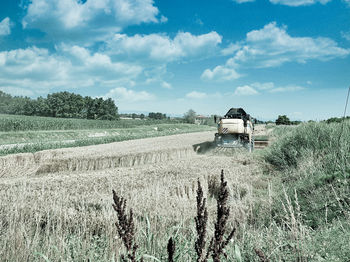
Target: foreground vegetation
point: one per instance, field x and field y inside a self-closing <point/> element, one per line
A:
<point x="311" y="209"/>
<point x="289" y="202"/>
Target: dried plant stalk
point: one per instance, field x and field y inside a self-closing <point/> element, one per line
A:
<point x="223" y="212"/>
<point x="261" y="255"/>
<point x="218" y="242"/>
<point x="171" y="249"/>
<point x="201" y="225"/>
<point x="126" y="228"/>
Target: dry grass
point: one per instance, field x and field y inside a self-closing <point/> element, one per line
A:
<point x="68" y="216"/>
<point x="101" y="157"/>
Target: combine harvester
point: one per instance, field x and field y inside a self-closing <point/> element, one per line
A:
<point x="235" y="130"/>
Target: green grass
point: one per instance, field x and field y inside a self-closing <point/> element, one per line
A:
<point x="313" y="160"/>
<point x="305" y="215"/>
<point x="32" y="123"/>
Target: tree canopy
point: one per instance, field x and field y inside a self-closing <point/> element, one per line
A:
<point x="282" y="120"/>
<point x="190" y="116"/>
<point x="61" y="104"/>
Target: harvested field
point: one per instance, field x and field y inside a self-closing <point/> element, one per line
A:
<point x="99" y="157"/>
<point x="14" y="142"/>
<point x="49" y="211"/>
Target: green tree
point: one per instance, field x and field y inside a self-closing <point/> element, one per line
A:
<point x="60" y="104"/>
<point x="42" y="108"/>
<point x="5" y="101"/>
<point x="157" y="115"/>
<point x="282" y="120"/>
<point x="190" y="116"/>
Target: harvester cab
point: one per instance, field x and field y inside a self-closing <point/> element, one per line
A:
<point x="235" y="130"/>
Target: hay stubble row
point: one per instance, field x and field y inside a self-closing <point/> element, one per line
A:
<point x="99" y="157"/>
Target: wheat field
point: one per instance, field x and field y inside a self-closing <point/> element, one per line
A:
<point x="66" y="215"/>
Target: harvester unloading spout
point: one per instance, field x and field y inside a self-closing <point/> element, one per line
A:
<point x="235" y="129"/>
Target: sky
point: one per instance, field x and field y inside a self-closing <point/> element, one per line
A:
<point x="271" y="57"/>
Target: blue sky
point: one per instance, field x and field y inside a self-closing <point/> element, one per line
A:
<point x="270" y="57"/>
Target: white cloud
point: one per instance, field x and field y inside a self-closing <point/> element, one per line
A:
<point x="196" y="95"/>
<point x="245" y="91"/>
<point x="272" y="46"/>
<point x="268" y="87"/>
<point x="163" y="19"/>
<point x="75" y="19"/>
<point x="299" y="2"/>
<point x="160" y="47"/>
<point x="38" y="70"/>
<point x="346" y="35"/>
<point x="97" y="63"/>
<point x="122" y="94"/>
<point x="263" y="86"/>
<point x="220" y="73"/>
<point x="231" y="49"/>
<point x="166" y="85"/>
<point x="290" y="88"/>
<point x="5" y="26"/>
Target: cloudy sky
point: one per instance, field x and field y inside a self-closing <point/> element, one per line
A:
<point x="269" y="56"/>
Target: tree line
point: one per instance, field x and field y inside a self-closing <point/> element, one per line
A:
<point x="60" y="104"/>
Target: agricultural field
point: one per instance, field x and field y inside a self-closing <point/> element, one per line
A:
<point x="33" y="123"/>
<point x="288" y="202"/>
<point x="20" y="134"/>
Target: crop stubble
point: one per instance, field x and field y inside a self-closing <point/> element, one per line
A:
<point x="54" y="205"/>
